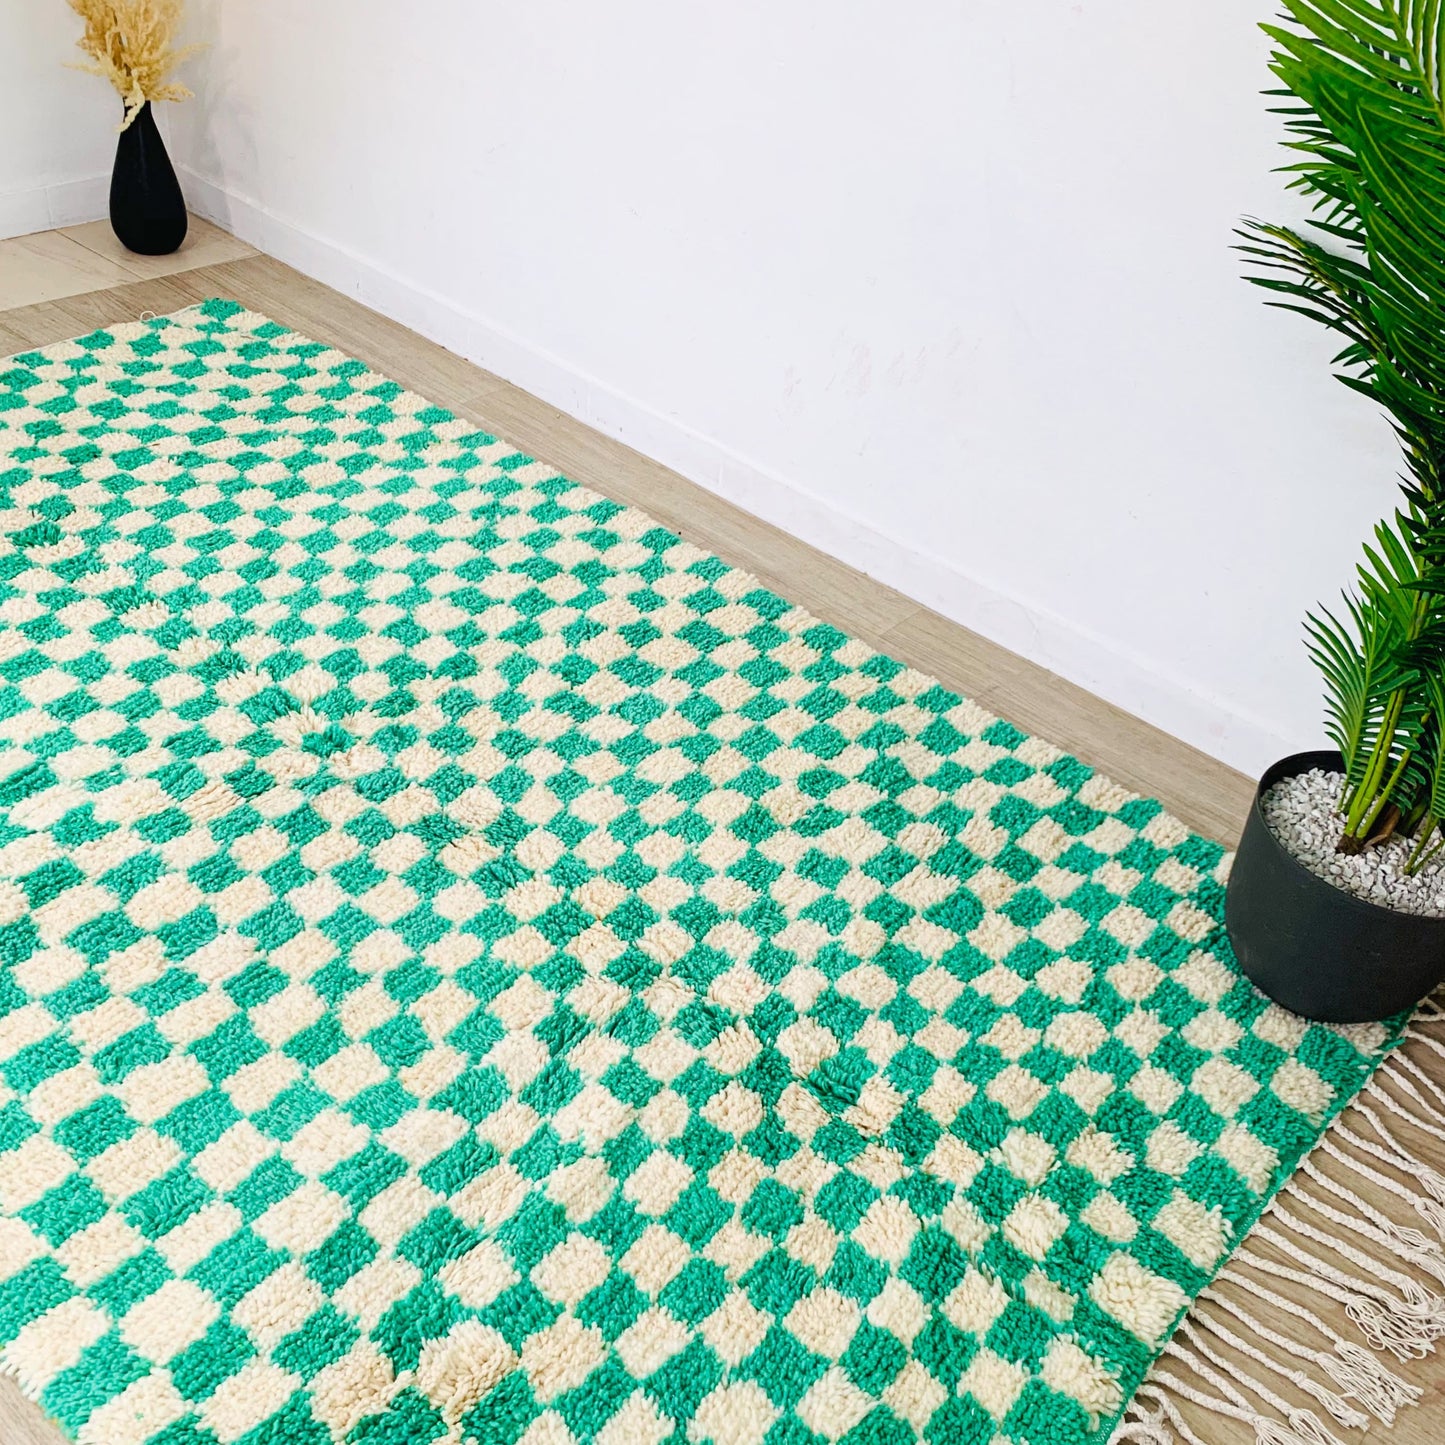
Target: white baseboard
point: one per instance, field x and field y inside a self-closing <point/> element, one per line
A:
<point x="1104" y="666"/>
<point x="42" y="208"/>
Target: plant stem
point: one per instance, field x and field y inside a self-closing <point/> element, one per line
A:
<point x="1364" y="797"/>
<point x="1418" y="857"/>
<point x="1368" y="826"/>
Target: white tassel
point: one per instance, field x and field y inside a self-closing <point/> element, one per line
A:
<point x="1367" y="1221"/>
<point x="1231" y="1403"/>
<point x="1432" y="1010"/>
<point x="1418" y="1037"/>
<point x="1407" y="1324"/>
<point x="1358" y="1373"/>
<point x="1338" y="1407"/>
<point x="1377" y="1092"/>
<point x="1305" y="1423"/>
<point x="1374" y="1320"/>
<point x="1143" y="1427"/>
<point x="1399" y="1063"/>
<point x="1171" y="1413"/>
<point x="1431" y="1180"/>
<point x="1395" y="1312"/>
<point x="1432" y="1211"/>
<point x="1409" y="1078"/>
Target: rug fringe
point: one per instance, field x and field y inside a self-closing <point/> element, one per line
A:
<point x="1336" y="1404"/>
<point x="1326" y="1238"/>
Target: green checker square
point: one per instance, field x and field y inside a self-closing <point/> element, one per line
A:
<point x="536" y="1229"/>
<point x="16" y="1127"/>
<point x="62" y="1212"/>
<point x="167" y="1203"/>
<point x="236" y="1266"/>
<point x="1145" y="1191"/>
<point x="1163" y="1257"/>
<point x="617" y="1226"/>
<point x="503" y="1417"/>
<point x="200" y="1368"/>
<point x="133" y="1280"/>
<point x="926" y="1195"/>
<point x="453" y="1169"/>
<point x="291" y="1111"/>
<point x="944" y="1350"/>
<point x="102" y="1372"/>
<point x="29" y="1293"/>
<point x="783" y="1367"/>
<point x="519" y="1313"/>
<point x="1109" y="1341"/>
<point x="856" y="1273"/>
<point x="426" y="1313"/>
<point x="292" y="1424"/>
<point x="696" y="1291"/>
<point x="874" y="1358"/>
<point x="1217" y="1185"/>
<point x="1077" y="1258"/>
<point x="881" y="1427"/>
<point x="92" y="1130"/>
<point x="410" y="1419"/>
<point x="1022" y="1333"/>
<point x="778" y="1281"/>
<point x="343" y="1255"/>
<point x="593" y="1403"/>
<point x="35" y="1063"/>
<point x="1041" y="1416"/>
<point x="269" y="1183"/>
<point x="681" y="1384"/>
<point x="935" y="1264"/>
<point x="199" y="1121"/>
<point x="440" y="1237"/>
<point x="698" y="1215"/>
<point x="613" y="1306"/>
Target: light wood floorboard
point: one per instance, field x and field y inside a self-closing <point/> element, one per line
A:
<point x="101" y="288"/>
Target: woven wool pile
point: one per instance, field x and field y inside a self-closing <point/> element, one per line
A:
<point x="476" y="967"/>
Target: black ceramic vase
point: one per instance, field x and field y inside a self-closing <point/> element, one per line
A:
<point x="1310" y="946"/>
<point x="147" y="210"/>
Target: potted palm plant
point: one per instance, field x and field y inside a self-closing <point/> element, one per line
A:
<point x="1336" y="898"/>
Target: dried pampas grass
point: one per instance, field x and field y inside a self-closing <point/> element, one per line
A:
<point x="129" y="44"/>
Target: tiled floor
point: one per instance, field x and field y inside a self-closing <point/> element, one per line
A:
<point x="60" y="284"/>
<point x="52" y="264"/>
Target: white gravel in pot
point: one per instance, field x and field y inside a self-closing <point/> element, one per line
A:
<point x="1301" y="813"/>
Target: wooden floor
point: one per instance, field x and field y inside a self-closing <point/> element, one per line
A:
<point x="60" y="284"/>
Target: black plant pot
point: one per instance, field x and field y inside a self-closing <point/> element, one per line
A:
<point x="1314" y="949"/>
<point x="147" y="210"/>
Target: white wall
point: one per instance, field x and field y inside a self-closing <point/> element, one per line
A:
<point x="58" y="125"/>
<point x="944" y="288"/>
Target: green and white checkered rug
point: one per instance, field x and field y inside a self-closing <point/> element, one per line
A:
<point x="475" y="967"/>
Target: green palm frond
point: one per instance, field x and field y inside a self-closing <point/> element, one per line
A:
<point x="1350" y="659"/>
<point x="1364" y="112"/>
<point x="1431" y="750"/>
<point x="1428" y="758"/>
<point x="1325" y="287"/>
<point x="1366" y="663"/>
<point x="1371" y="131"/>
